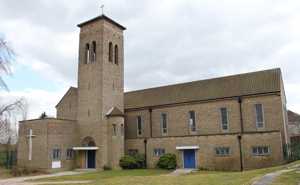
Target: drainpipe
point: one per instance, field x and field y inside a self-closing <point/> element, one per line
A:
<point x="241" y="114"/>
<point x="240" y="135"/>
<point x="145" y="145"/>
<point x="150" y="119"/>
<point x="241" y="152"/>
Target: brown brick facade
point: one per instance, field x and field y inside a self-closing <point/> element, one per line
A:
<point x="99" y="119"/>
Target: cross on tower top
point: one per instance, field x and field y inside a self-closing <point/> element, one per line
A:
<point x="102" y="9"/>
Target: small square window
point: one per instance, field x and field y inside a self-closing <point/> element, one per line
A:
<point x="260" y="150"/>
<point x="222" y="151"/>
<point x="157" y="152"/>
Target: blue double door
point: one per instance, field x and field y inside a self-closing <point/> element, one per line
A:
<point x="189" y="158"/>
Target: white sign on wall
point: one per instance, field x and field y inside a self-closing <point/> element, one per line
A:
<point x="56" y="164"/>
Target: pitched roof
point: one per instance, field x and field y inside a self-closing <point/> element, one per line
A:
<point x="230" y="86"/>
<point x="293" y="117"/>
<point x="70" y="90"/>
<point x="104" y="17"/>
<point x="114" y="111"/>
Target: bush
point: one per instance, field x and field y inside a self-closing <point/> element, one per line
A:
<point x="167" y="161"/>
<point x="132" y="162"/>
<point x="106" y="168"/>
<point x="140" y="160"/>
<point x="23" y="171"/>
<point x="128" y="162"/>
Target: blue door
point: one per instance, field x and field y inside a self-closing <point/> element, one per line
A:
<point x="91" y="156"/>
<point x="189" y="158"/>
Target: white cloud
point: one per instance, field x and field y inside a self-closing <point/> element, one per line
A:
<point x="38" y="100"/>
<point x="167" y="41"/>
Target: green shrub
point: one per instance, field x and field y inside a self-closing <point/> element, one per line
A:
<point x="106" y="168"/>
<point x="135" y="161"/>
<point x="128" y="162"/>
<point x="140" y="160"/>
<point x="167" y="161"/>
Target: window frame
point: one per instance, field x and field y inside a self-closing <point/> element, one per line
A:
<point x="56" y="154"/>
<point x="256" y="116"/>
<point x="139" y="132"/>
<point x="157" y="152"/>
<point x="227" y="119"/>
<point x="164" y="131"/>
<point x="132" y="152"/>
<point x="87" y="53"/>
<point x="192" y="127"/>
<point x="94" y="51"/>
<point x="220" y="151"/>
<point x="114" y="129"/>
<point x="69" y="154"/>
<point x="122" y="130"/>
<point x="262" y="148"/>
<point x="116" y="54"/>
<point x="110" y="52"/>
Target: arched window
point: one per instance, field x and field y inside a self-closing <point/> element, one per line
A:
<point x="93" y="51"/>
<point x="110" y="52"/>
<point x="116" y="54"/>
<point x="87" y="54"/>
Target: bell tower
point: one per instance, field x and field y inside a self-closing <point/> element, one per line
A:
<point x="101" y="88"/>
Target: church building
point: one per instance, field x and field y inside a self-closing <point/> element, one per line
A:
<point x="229" y="123"/>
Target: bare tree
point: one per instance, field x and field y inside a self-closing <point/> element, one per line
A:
<point x="8" y="111"/>
<point x="7" y="55"/>
<point x="8" y="116"/>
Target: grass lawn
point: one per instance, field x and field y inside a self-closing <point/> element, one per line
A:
<point x="161" y="177"/>
<point x="290" y="178"/>
<point x="4" y="173"/>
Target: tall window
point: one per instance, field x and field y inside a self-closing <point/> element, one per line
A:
<point x="114" y="127"/>
<point x="139" y="123"/>
<point x="70" y="153"/>
<point x="122" y="130"/>
<point x="56" y="154"/>
<point x="192" y="121"/>
<point x="87" y="54"/>
<point x="259" y="115"/>
<point x="93" y="57"/>
<point x="116" y="54"/>
<point x="164" y="124"/>
<point x="110" y="52"/>
<point x="224" y="119"/>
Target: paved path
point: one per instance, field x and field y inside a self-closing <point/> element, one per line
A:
<point x="181" y="172"/>
<point x="21" y="180"/>
<point x="269" y="178"/>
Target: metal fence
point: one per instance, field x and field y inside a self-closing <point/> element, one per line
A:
<point x="292" y="151"/>
<point x="8" y="159"/>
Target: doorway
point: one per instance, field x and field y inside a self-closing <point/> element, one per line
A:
<point x="90" y="159"/>
<point x="189" y="158"/>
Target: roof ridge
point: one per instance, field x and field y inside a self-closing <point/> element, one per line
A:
<point x="214" y="78"/>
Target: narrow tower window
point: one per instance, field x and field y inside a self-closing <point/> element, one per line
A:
<point x="110" y="52"/>
<point x="259" y="115"/>
<point x="87" y="53"/>
<point x="116" y="54"/>
<point x="139" y="125"/>
<point x="93" y="51"/>
<point x="224" y="119"/>
<point x="192" y="121"/>
<point x="164" y="124"/>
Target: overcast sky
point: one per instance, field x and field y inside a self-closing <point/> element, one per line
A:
<point x="166" y="42"/>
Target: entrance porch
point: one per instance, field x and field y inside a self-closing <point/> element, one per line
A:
<point x="86" y="157"/>
<point x="189" y="159"/>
